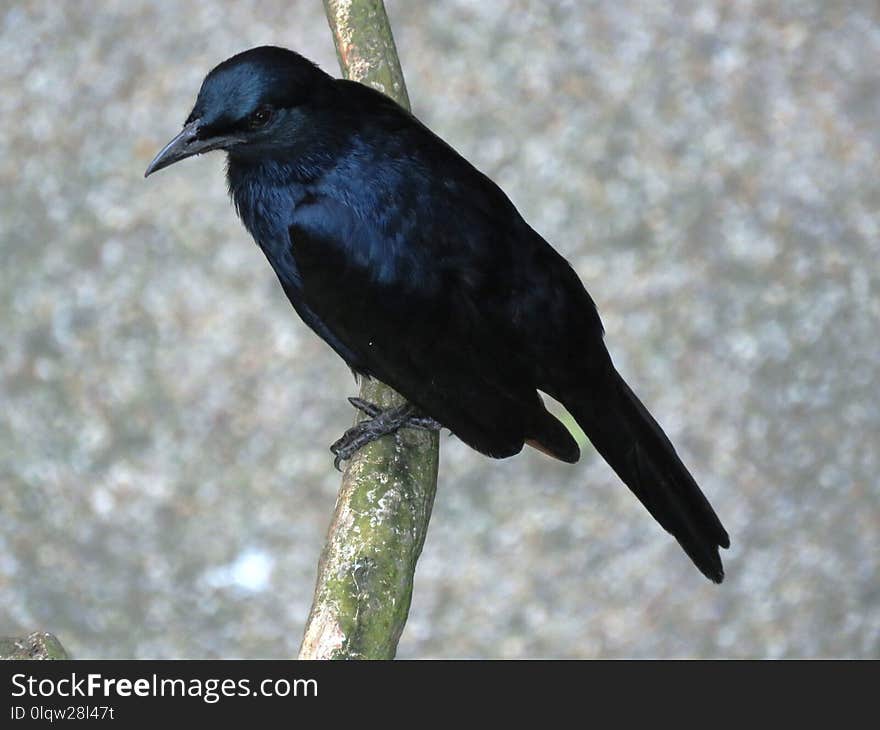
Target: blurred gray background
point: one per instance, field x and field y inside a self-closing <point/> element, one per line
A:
<point x="709" y="168"/>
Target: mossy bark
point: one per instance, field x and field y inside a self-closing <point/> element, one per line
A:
<point x="365" y="46"/>
<point x="365" y="576"/>
<point x="38" y="645"/>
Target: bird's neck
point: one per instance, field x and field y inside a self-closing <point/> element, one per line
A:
<point x="283" y="167"/>
<point x="265" y="192"/>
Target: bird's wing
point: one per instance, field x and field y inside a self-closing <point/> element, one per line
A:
<point x="294" y="294"/>
<point x="425" y="317"/>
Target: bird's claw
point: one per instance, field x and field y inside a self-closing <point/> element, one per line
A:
<point x="379" y="422"/>
<point x="371" y="409"/>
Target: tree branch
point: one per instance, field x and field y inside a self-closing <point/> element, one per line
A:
<point x="365" y="576"/>
<point x="38" y="645"/>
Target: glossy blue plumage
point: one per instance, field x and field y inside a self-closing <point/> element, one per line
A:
<point x="417" y="269"/>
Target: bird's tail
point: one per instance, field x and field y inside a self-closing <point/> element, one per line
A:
<point x="634" y="445"/>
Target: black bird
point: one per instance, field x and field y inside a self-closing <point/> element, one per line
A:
<point x="418" y="270"/>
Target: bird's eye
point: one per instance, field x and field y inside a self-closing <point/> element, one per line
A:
<point x="260" y="118"/>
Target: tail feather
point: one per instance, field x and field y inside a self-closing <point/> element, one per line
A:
<point x="634" y="445"/>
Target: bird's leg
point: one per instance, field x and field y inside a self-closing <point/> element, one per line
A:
<point x="408" y="414"/>
<point x="381" y="422"/>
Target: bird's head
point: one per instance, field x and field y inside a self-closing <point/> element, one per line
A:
<point x="250" y="103"/>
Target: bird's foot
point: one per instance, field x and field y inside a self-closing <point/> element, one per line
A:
<point x="381" y="422"/>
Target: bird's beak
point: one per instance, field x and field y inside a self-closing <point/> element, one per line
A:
<point x="186" y="144"/>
